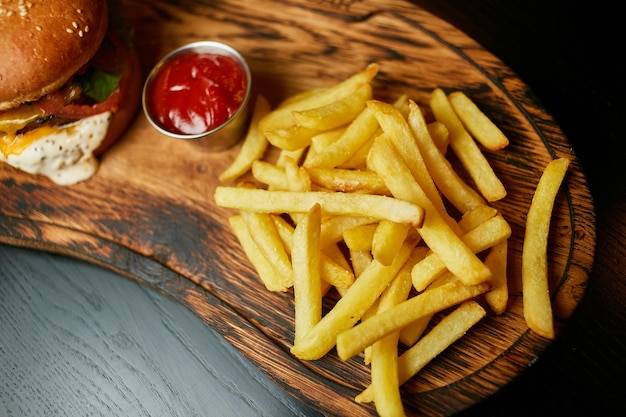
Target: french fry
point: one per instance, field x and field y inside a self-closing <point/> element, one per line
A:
<point x="270" y="174"/>
<point x="337" y="113"/>
<point x="333" y="273"/>
<point x="359" y="238"/>
<point x="359" y="159"/>
<point x="387" y="240"/>
<point x="360" y="260"/>
<point x="435" y="231"/>
<point x="354" y="195"/>
<point x="351" y="306"/>
<point x="254" y="144"/>
<point x="356" y="135"/>
<point x="457" y="191"/>
<point x="269" y="275"/>
<point x="395" y="126"/>
<point x="535" y="290"/>
<point x="323" y="140"/>
<point x="334" y="227"/>
<point x="384" y="353"/>
<point x="496" y="260"/>
<point x="365" y="205"/>
<point x="292" y="137"/>
<point x="476" y="216"/>
<point x="488" y="234"/>
<point x="307" y="288"/>
<point x="296" y="155"/>
<point x="450" y="329"/>
<point x="348" y="180"/>
<point x="439" y="134"/>
<point x="301" y="96"/>
<point x="282" y="117"/>
<point x="411" y="333"/>
<point x="263" y="231"/>
<point x="477" y="123"/>
<point x="466" y="149"/>
<point x="351" y="342"/>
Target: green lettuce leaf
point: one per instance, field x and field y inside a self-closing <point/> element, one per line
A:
<point x="98" y="84"/>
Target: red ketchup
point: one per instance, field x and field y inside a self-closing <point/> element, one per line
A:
<point x="196" y="92"/>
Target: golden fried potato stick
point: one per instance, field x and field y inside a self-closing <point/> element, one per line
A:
<point x="337" y="113"/>
<point x="358" y="160"/>
<point x="292" y="137"/>
<point x="324" y="139"/>
<point x="476" y="216"/>
<point x="254" y="144"/>
<point x="359" y="238"/>
<point x="396" y="128"/>
<point x="486" y="235"/>
<point x="536" y="296"/>
<point x="283" y="117"/>
<point x="351" y="306"/>
<point x="360" y="260"/>
<point x="348" y="180"/>
<point x="435" y="231"/>
<point x="356" y="135"/>
<point x="351" y="342"/>
<point x="439" y="134"/>
<point x="478" y="124"/>
<point x="496" y="260"/>
<point x="307" y="285"/>
<point x="412" y="332"/>
<point x="450" y="329"/>
<point x="296" y="155"/>
<point x="301" y="96"/>
<point x="269" y="275"/>
<point x="451" y="185"/>
<point x="384" y="353"/>
<point x="270" y="174"/>
<point x="263" y="231"/>
<point x="333" y="273"/>
<point x="387" y="240"/>
<point x="466" y="149"/>
<point x="334" y="227"/>
<point x="297" y="177"/>
<point x="381" y="207"/>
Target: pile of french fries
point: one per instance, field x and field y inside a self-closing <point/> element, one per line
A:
<point x="338" y="191"/>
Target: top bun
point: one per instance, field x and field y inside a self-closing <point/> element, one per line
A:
<point x="44" y="42"/>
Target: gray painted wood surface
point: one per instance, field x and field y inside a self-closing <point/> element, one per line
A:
<point x="79" y="340"/>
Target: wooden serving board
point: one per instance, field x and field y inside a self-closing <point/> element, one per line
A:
<point x="149" y="212"/>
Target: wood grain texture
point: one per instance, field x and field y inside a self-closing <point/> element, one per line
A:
<point x="80" y="340"/>
<point x="149" y="215"/>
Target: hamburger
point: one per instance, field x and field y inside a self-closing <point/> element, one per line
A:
<point x="70" y="84"/>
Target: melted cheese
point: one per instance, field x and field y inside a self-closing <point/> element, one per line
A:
<point x="16" y="119"/>
<point x="63" y="154"/>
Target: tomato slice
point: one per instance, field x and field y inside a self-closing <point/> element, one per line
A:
<point x="62" y="103"/>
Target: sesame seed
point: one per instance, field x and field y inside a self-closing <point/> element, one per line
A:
<point x="75" y="25"/>
<point x="68" y="30"/>
<point x="86" y="29"/>
<point x="38" y="28"/>
<point x="80" y="33"/>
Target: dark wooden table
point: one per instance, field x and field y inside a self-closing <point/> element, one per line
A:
<point x="103" y="326"/>
<point x="564" y="52"/>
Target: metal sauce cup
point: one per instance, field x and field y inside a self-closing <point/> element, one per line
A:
<point x="226" y="134"/>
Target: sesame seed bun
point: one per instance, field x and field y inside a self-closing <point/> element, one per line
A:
<point x="44" y="42"/>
